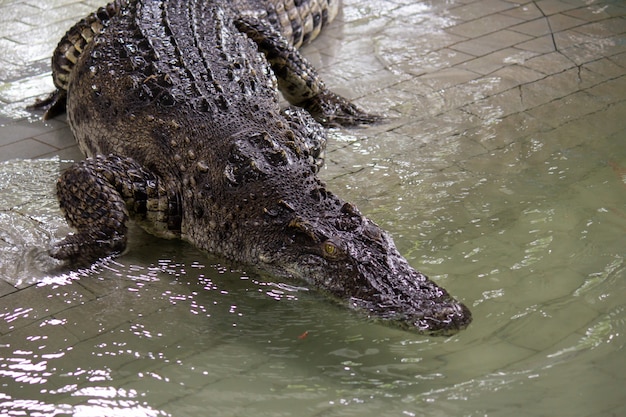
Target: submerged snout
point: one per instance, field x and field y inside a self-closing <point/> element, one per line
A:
<point x="444" y="320"/>
<point x="350" y="257"/>
<point x="434" y="317"/>
<point x="414" y="302"/>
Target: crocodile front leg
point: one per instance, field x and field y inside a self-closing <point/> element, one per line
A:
<point x="298" y="80"/>
<point x="99" y="195"/>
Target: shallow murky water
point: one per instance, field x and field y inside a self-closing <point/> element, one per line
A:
<point x="512" y="197"/>
<point x="166" y="330"/>
<point x="536" y="250"/>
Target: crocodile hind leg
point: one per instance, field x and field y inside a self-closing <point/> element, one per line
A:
<point x="99" y="195"/>
<point x="298" y="80"/>
<point x="67" y="52"/>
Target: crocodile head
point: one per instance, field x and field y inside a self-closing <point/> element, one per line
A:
<point x="290" y="225"/>
<point x="347" y="255"/>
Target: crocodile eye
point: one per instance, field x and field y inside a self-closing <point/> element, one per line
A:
<point x="331" y="250"/>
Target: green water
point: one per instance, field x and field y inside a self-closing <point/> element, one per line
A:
<point x="501" y="175"/>
<point x="536" y="249"/>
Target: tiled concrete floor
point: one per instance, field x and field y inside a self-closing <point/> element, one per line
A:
<point x="440" y="70"/>
<point x="543" y="52"/>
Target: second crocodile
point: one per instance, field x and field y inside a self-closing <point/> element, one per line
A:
<point x="175" y="104"/>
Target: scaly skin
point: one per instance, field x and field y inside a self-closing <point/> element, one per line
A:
<point x="297" y="24"/>
<point x="175" y="103"/>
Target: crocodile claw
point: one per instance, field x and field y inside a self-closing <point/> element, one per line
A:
<point x="84" y="249"/>
<point x="331" y="109"/>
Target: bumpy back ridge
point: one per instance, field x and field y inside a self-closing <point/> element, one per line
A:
<point x="299" y="21"/>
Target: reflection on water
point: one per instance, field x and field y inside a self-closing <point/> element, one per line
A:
<point x="508" y="189"/>
<point x="30" y="219"/>
<point x="167" y="330"/>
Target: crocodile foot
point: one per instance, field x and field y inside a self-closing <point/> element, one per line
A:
<point x="99" y="194"/>
<point x="89" y="197"/>
<point x="331" y="109"/>
<point x="53" y="105"/>
<point x="82" y="248"/>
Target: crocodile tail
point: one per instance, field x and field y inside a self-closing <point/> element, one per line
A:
<point x="76" y="39"/>
<point x="300" y="21"/>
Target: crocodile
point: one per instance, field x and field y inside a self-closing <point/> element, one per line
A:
<point x="175" y="104"/>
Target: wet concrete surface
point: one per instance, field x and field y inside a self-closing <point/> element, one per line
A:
<point x="502" y="150"/>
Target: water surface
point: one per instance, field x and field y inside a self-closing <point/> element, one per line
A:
<point x="500" y="175"/>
